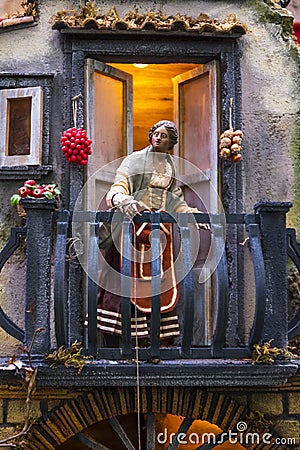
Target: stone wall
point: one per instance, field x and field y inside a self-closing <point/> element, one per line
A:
<point x="273" y="410"/>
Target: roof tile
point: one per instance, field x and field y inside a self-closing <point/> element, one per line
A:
<point x="87" y="18"/>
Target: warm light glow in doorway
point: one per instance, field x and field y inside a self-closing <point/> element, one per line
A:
<point x="140" y="65"/>
<point x="153" y="95"/>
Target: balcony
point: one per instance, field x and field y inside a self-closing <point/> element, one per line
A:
<point x="219" y="357"/>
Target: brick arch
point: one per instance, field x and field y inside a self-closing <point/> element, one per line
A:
<point x="75" y="415"/>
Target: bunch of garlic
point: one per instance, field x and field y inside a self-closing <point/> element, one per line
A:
<point x="230" y="145"/>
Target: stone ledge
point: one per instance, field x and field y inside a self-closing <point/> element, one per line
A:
<point x="19" y="172"/>
<point x="224" y="373"/>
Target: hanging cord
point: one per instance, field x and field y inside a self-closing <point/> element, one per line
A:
<point x="136" y="341"/>
<point x="230" y="113"/>
<point x="75" y="108"/>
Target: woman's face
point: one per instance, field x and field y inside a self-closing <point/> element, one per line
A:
<point x="160" y="140"/>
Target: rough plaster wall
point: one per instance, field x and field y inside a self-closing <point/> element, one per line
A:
<point x="12" y="281"/>
<point x="12" y="298"/>
<point x="29" y="50"/>
<point x="33" y="49"/>
<point x="270" y="104"/>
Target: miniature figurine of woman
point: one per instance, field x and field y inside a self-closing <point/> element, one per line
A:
<point x="146" y="180"/>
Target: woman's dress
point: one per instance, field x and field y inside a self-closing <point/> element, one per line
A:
<point x="157" y="191"/>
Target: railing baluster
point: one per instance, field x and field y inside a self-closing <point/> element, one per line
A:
<point x="272" y="216"/>
<point x="60" y="294"/>
<point x="187" y="285"/>
<point x="219" y="336"/>
<point x="38" y="272"/>
<point x="182" y="431"/>
<point x="92" y="288"/>
<point x="293" y="247"/>
<point x="260" y="281"/>
<point x="155" y="285"/>
<point x="126" y="289"/>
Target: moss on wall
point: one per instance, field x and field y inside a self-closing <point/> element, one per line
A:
<point x="267" y="12"/>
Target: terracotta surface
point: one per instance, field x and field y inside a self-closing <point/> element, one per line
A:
<point x="9" y="8"/>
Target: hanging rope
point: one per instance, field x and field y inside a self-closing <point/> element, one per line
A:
<point x="136" y="343"/>
<point x="230" y="113"/>
<point x="75" y="108"/>
<point x="230" y="141"/>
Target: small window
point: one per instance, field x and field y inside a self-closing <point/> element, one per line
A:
<point x="21" y="113"/>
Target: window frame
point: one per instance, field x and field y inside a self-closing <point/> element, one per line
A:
<point x="36" y="118"/>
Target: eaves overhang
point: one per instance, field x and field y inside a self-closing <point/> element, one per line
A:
<point x="152" y="23"/>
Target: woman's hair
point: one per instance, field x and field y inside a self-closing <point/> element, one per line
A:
<point x="170" y="127"/>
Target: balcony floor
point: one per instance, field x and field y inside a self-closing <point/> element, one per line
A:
<point x="183" y="372"/>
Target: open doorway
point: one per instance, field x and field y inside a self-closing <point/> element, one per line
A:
<point x="123" y="101"/>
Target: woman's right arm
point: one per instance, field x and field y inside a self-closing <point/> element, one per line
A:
<point x="119" y="195"/>
<point x="120" y="185"/>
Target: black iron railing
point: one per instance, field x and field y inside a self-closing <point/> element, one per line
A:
<point x="269" y="244"/>
<point x="293" y="249"/>
<point x="12" y="244"/>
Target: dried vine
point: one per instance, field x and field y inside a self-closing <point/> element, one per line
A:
<point x="257" y="421"/>
<point x="29" y="384"/>
<point x="71" y="357"/>
<point x="265" y="354"/>
<point x="30" y="8"/>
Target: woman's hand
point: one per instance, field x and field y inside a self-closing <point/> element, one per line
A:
<point x="127" y="205"/>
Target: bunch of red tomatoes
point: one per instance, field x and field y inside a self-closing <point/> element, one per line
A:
<point x="76" y="146"/>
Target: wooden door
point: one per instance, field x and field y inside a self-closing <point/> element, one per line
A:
<point x="195" y="111"/>
<point x="109" y="124"/>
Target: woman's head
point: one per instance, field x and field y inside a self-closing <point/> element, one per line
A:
<point x="171" y="129"/>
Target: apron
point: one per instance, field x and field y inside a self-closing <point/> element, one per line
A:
<point x="141" y="269"/>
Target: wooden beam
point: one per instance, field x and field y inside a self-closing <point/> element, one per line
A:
<point x="184" y="427"/>
<point x="90" y="442"/>
<point x="117" y="427"/>
<point x="151" y="437"/>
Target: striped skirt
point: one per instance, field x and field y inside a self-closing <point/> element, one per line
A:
<point x="109" y="315"/>
<point x="110" y="322"/>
